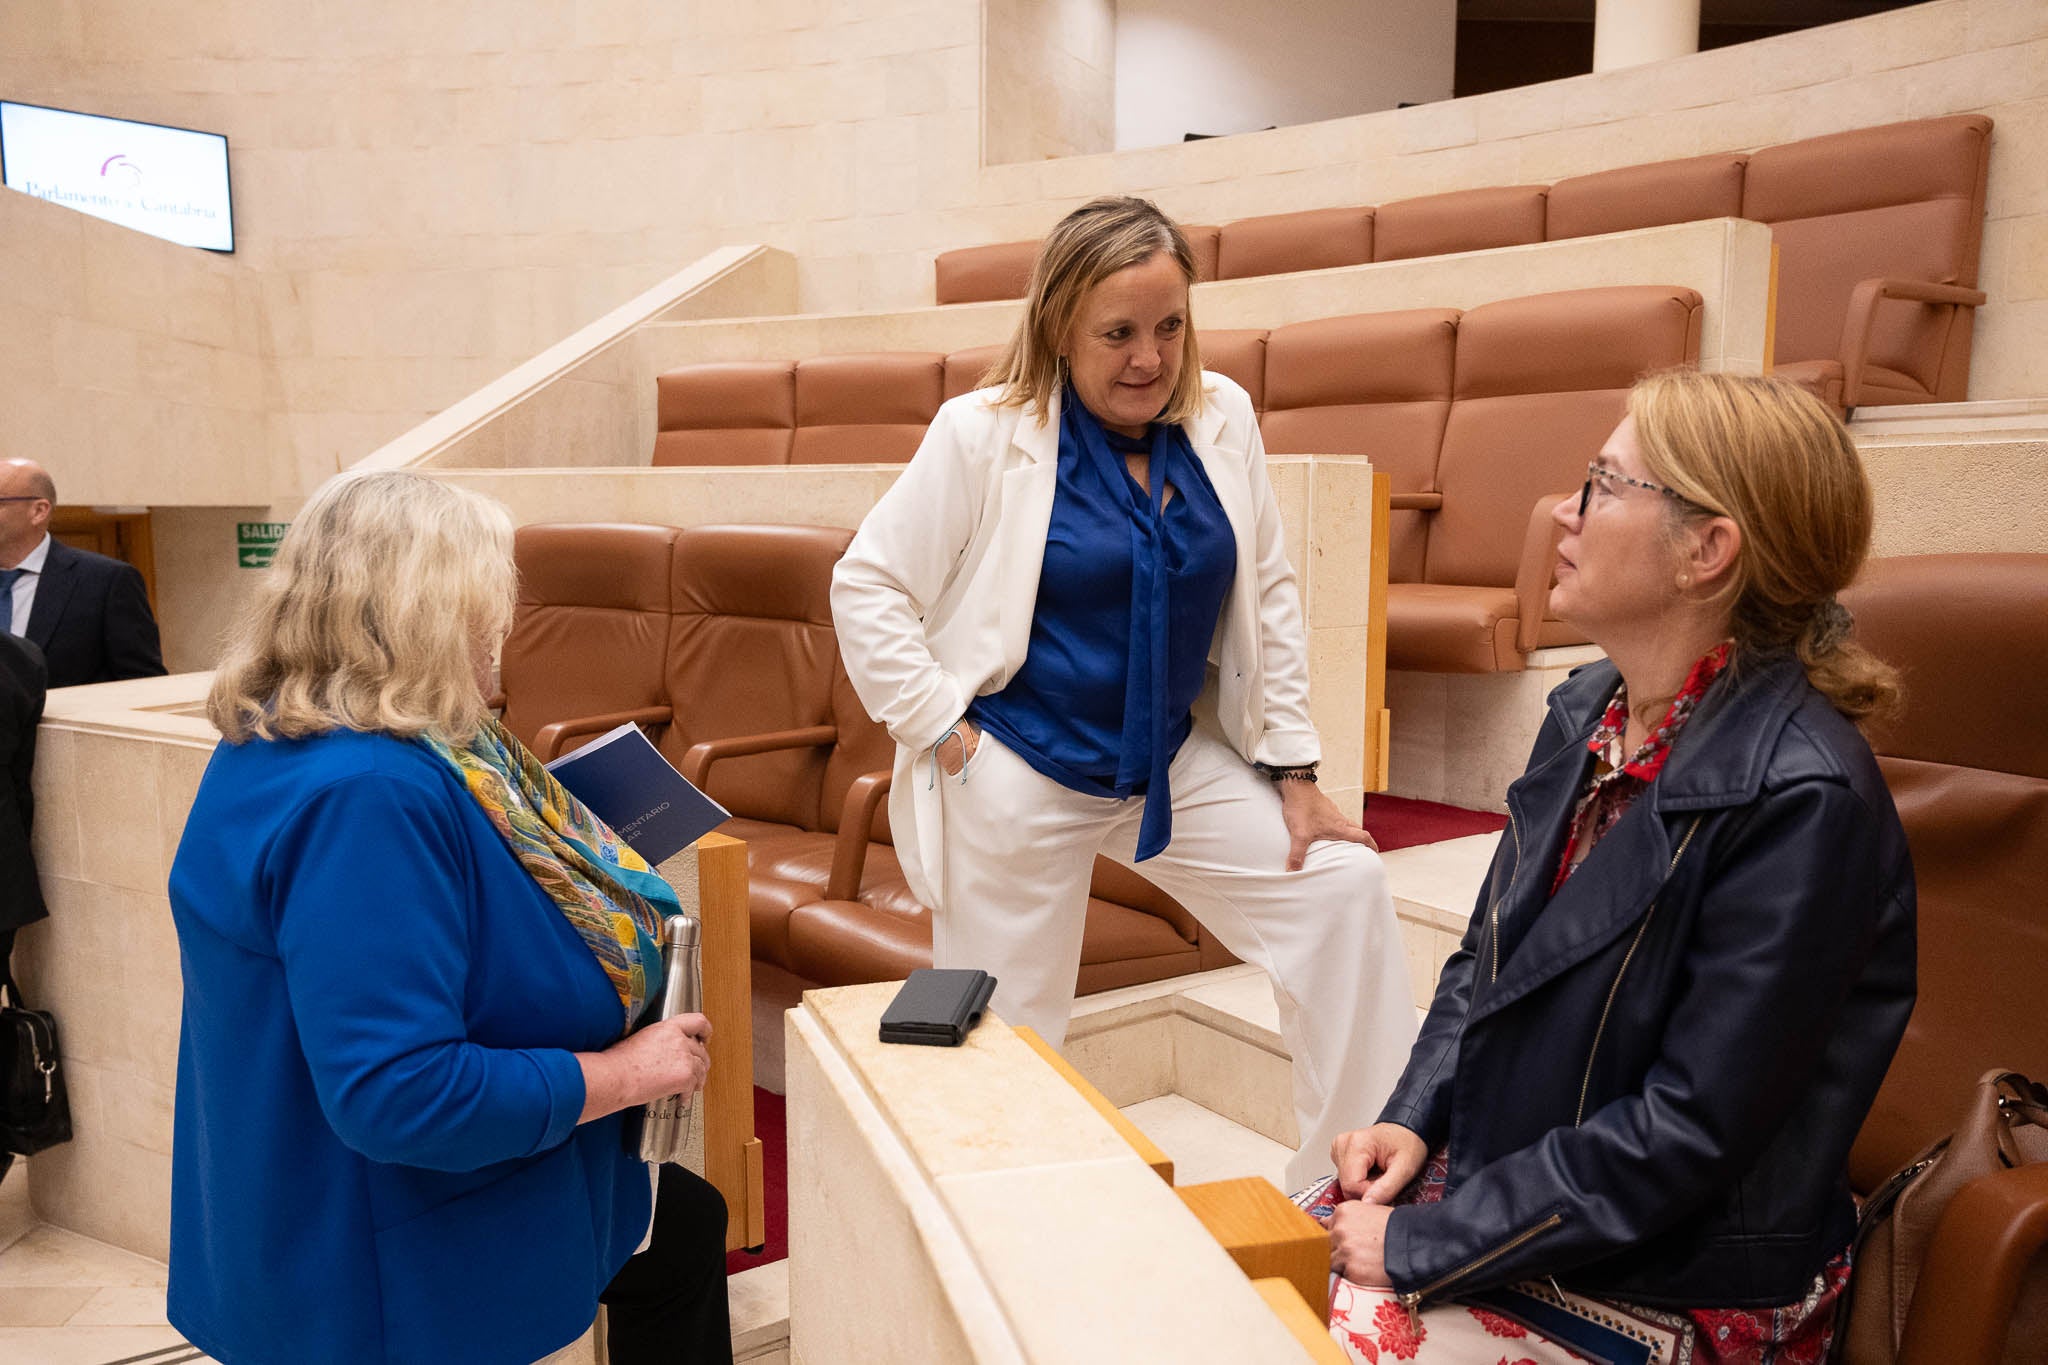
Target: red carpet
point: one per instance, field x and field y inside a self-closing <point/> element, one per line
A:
<point x="771" y="1125"/>
<point x="1397" y="822"/>
<point x="1394" y="821"/>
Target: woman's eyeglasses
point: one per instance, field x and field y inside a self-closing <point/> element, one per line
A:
<point x="1597" y="473"/>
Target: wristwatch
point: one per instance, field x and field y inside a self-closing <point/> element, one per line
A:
<point x="1298" y="772"/>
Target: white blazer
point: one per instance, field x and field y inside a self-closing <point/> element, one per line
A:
<point x="933" y="600"/>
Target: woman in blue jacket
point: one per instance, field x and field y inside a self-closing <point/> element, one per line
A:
<point x="1693" y="956"/>
<point x="411" y="961"/>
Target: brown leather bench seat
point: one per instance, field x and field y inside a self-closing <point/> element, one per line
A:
<point x="1460" y="220"/>
<point x="725" y="633"/>
<point x="1969" y="635"/>
<point x="883" y="937"/>
<point x="790" y="753"/>
<point x="590" y="631"/>
<point x="819" y="918"/>
<point x="1879" y="232"/>
<point x="827" y="409"/>
<point x="1002" y="270"/>
<point x="1480" y="419"/>
<point x="1539" y="382"/>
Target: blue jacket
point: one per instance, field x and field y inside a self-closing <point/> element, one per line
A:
<point x="377" y="1155"/>
<point x="1649" y="1083"/>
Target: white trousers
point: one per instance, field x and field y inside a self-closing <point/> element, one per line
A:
<point x="1019" y="852"/>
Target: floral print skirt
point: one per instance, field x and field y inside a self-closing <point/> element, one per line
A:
<point x="1374" y="1327"/>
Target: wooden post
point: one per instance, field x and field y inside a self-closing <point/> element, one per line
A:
<point x="1309" y="1329"/>
<point x="1147" y="1150"/>
<point x="732" y="1154"/>
<point x="1771" y="316"/>
<point x="1378" y="729"/>
<point x="1264" y="1233"/>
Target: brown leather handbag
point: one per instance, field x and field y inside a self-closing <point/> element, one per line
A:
<point x="2006" y="1126"/>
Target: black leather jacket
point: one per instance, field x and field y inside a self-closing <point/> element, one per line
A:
<point x="1649" y="1085"/>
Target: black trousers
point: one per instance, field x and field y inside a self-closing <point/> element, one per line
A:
<point x="667" y="1305"/>
<point x="7" y="980"/>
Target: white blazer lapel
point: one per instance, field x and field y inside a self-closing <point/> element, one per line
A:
<point x="1028" y="492"/>
<point x="1227" y="476"/>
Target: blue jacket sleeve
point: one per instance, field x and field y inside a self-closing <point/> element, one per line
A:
<point x="369" y="884"/>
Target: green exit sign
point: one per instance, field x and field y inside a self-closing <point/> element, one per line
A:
<point x="256" y="542"/>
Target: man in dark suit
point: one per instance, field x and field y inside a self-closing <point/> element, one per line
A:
<point x="21" y="710"/>
<point x="87" y="613"/>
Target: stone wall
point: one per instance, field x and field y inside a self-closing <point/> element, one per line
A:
<point x="577" y="397"/>
<point x="432" y="194"/>
<point x="133" y="368"/>
<point x="1049" y="82"/>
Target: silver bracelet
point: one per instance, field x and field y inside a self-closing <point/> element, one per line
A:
<point x="952" y="732"/>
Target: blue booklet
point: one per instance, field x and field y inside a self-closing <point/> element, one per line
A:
<point x="631" y="787"/>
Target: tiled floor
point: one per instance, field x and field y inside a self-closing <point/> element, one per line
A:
<point x="68" y="1300"/>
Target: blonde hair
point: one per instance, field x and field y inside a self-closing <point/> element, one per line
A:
<point x="383" y="592"/>
<point x="1085" y="248"/>
<point x="1775" y="460"/>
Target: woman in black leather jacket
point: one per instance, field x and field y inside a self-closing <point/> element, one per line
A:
<point x="1693" y="955"/>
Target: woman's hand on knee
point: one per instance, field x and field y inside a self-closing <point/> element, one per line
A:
<point x="1310" y="816"/>
<point x="1375" y="1164"/>
<point x="1358" y="1242"/>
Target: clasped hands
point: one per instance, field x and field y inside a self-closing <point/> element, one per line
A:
<point x="1373" y="1166"/>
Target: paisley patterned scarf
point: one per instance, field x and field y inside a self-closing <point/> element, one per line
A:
<point x="609" y="894"/>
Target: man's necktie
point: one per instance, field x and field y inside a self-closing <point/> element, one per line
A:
<point x="7" y="578"/>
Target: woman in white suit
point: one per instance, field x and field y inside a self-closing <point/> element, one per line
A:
<point x="1074" y="615"/>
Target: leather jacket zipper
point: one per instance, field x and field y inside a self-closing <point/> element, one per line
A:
<point x="1621" y="971"/>
<point x="1493" y="910"/>
<point x="1412" y="1301"/>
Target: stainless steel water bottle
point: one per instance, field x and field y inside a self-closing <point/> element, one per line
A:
<point x="669" y="1132"/>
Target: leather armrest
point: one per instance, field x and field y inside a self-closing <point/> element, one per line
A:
<point x="1862" y="314"/>
<point x="548" y="740"/>
<point x="698" y="759"/>
<point x="856" y="825"/>
<point x="1988" y="1237"/>
<point x="1416" y="502"/>
<point x="1532" y="575"/>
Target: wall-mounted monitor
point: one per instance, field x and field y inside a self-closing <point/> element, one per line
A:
<point x="168" y="182"/>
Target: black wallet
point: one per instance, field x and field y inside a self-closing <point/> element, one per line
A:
<point x="937" y="1006"/>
